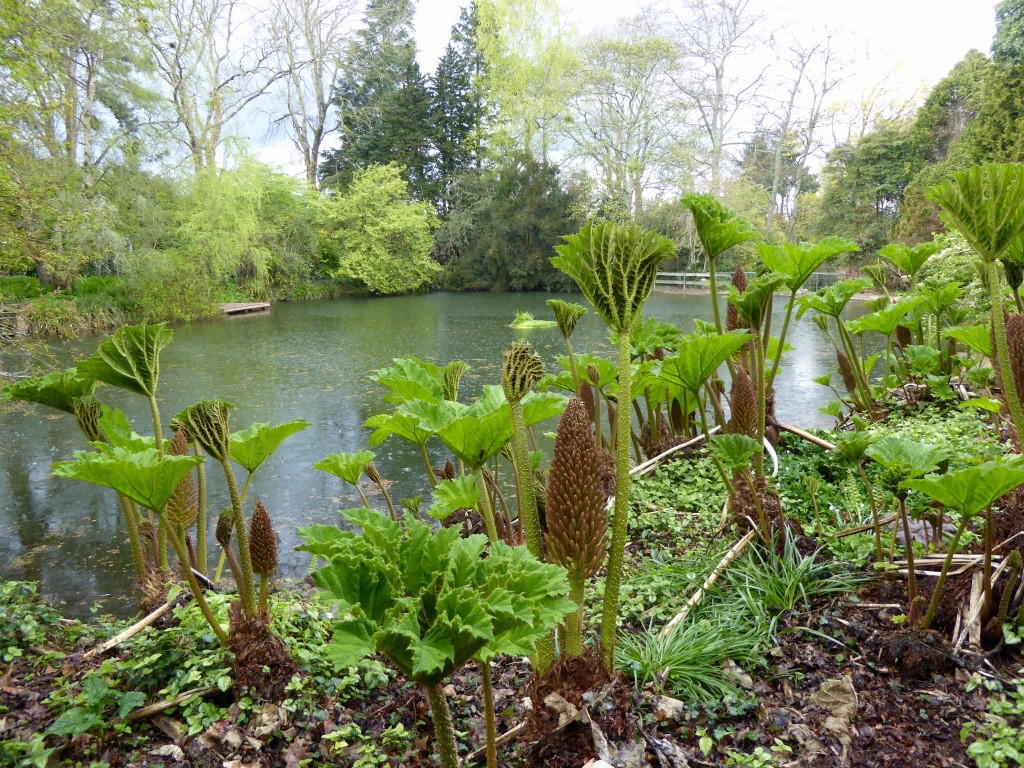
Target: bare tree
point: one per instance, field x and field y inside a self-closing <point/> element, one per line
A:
<point x="311" y="37"/>
<point x="624" y="114"/>
<point x="215" y="59"/>
<point x="711" y="36"/>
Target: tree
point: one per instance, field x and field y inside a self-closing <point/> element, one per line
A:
<point x="864" y="186"/>
<point x="504" y="226"/>
<point x="383" y="234"/>
<point x="459" y="107"/>
<point x="215" y="60"/>
<point x="529" y="54"/>
<point x="711" y="35"/>
<point x="308" y="36"/>
<point x="383" y="103"/>
<point x="624" y="115"/>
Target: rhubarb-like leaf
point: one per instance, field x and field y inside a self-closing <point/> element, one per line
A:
<point x="410" y="378"/>
<point x="130" y="359"/>
<point x="971" y="490"/>
<point x="907" y="456"/>
<point x="798" y="261"/>
<point x="119" y="433"/>
<point x="977" y="337"/>
<point x="58" y="390"/>
<point x="452" y="495"/>
<point x="718" y="228"/>
<point x="699" y="356"/>
<point x="143" y="476"/>
<point x="884" y="321"/>
<point x="348" y="466"/>
<point x="734" y="451"/>
<point x="399" y="423"/>
<point x="832" y="300"/>
<point x="252" y="446"/>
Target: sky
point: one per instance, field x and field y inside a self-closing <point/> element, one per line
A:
<point x="912" y="43"/>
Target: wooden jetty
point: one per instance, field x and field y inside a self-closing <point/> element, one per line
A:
<point x="245" y="309"/>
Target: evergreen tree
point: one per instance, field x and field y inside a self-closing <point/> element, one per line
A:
<point x="458" y="105"/>
<point x="383" y="103"/>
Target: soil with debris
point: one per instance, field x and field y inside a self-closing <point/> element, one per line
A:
<point x="847" y="686"/>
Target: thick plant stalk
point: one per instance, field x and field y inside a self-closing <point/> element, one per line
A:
<point x="161" y="544"/>
<point x="909" y="550"/>
<point x="489" y="726"/>
<point x="201" y="522"/>
<point x="246" y="584"/>
<point x="934" y="604"/>
<point x="485" y="505"/>
<point x="158" y="435"/>
<point x="134" y="542"/>
<point x="197" y="590"/>
<point x="620" y="523"/>
<point x="444" y="733"/>
<point x="875" y="525"/>
<point x="426" y="463"/>
<point x="574" y="621"/>
<point x="1003" y="350"/>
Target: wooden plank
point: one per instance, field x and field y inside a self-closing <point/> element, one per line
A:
<point x="238" y="308"/>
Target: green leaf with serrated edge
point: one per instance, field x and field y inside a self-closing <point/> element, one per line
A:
<point x="251" y="447"/>
<point x="143" y="476"/>
<point x="884" y="321"/>
<point x="119" y="433"/>
<point x="433" y="415"/>
<point x="452" y="495"/>
<point x="129" y="701"/>
<point x="907" y="455"/>
<point x="798" y="261"/>
<point x="541" y="406"/>
<point x="718" y="228"/>
<point x="74" y="722"/>
<point x="321" y="540"/>
<point x="982" y="403"/>
<point x="348" y="466"/>
<point x="973" y="489"/>
<point x="58" y="390"/>
<point x="853" y="445"/>
<point x="923" y="359"/>
<point x="403" y="425"/>
<point x="410" y="378"/>
<point x="351" y="642"/>
<point x="736" y="452"/>
<point x="825" y="380"/>
<point x="832" y="300"/>
<point x="909" y="260"/>
<point x="130" y="359"/>
<point x="753" y="303"/>
<point x="699" y="357"/>
<point x="977" y="337"/>
<point x="353" y="579"/>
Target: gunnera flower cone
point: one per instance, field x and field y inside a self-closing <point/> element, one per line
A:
<point x="577" y="520"/>
<point x="743" y="403"/>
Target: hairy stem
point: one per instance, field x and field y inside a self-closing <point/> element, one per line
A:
<point x="529" y="518"/>
<point x="485" y="505"/>
<point x="246" y="585"/>
<point x="193" y="584"/>
<point x="909" y="551"/>
<point x="201" y="521"/>
<point x="874" y="512"/>
<point x="489" y="725"/>
<point x="426" y="465"/>
<point x="934" y="604"/>
<point x="444" y="733"/>
<point x="158" y="434"/>
<point x="574" y="621"/>
<point x="131" y="522"/>
<point x="1003" y="350"/>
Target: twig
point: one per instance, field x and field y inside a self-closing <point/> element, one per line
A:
<point x="133" y="630"/>
<point x="862" y="528"/>
<point x="972" y="626"/>
<point x="159" y="707"/>
<point x="735" y="551"/>
<point x="505" y="738"/>
<point x="647" y="466"/>
<point x="805" y="435"/>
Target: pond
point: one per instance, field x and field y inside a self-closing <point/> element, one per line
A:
<point x="308" y="360"/>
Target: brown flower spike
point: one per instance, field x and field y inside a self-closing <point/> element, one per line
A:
<point x="262" y="542"/>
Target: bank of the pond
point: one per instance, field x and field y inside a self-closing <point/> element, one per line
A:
<point x="307" y="360"/>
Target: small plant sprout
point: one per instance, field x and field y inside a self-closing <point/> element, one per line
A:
<point x="852" y="446"/>
<point x="813" y="484"/>
<point x="736" y="454"/>
<point x="904" y="459"/>
<point x="971" y="491"/>
<point x="615" y="267"/>
<point x="568" y="315"/>
<point x="349" y="467"/>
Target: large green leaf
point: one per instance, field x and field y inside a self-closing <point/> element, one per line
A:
<point x="884" y="321"/>
<point x="252" y="446"/>
<point x="399" y="423"/>
<point x="972" y="489"/>
<point x="798" y="261"/>
<point x="143" y="476"/>
<point x="736" y="452"/>
<point x="986" y="205"/>
<point x="119" y="433"/>
<point x="130" y="359"/>
<point x="615" y="266"/>
<point x="907" y="455"/>
<point x="718" y="228"/>
<point x="977" y="337"/>
<point x="909" y="259"/>
<point x="410" y="378"/>
<point x="755" y="301"/>
<point x="348" y="466"/>
<point x="832" y="300"/>
<point x="699" y="356"/>
<point x="58" y="390"/>
<point x="453" y="495"/>
<point x="939" y="299"/>
<point x="852" y="446"/>
<point x="431" y="601"/>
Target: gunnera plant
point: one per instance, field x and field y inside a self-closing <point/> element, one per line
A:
<point x="262" y="551"/>
<point x="577" y="521"/>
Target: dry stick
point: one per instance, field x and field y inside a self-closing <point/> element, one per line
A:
<point x="647" y="466"/>
<point x="735" y="551"/>
<point x="162" y="706"/>
<point x="502" y="740"/>
<point x="133" y="630"/>
<point x="972" y="625"/>
<point x="864" y="528"/>
<point x="806" y="436"/>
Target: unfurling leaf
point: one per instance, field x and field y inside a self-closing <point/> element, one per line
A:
<point x="252" y="446"/>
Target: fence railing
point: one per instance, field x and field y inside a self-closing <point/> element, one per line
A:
<point x="699" y="281"/>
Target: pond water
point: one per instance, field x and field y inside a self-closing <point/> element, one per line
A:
<point x="308" y="360"/>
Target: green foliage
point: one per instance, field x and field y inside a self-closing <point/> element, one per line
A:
<point x="799" y="261"/>
<point x="735" y="452"/>
<point x="252" y="446"/>
<point x="348" y="466"/>
<point x="909" y="259"/>
<point x="384" y="235"/>
<point x="130" y="358"/>
<point x="453" y="495"/>
<point x="699" y="356"/>
<point x="971" y="490"/>
<point x="718" y="228"/>
<point x="142" y="475"/>
<point x="430" y="601"/>
<point x="58" y="390"/>
<point x="998" y="741"/>
<point x="906" y="456"/>
<point x="18" y="287"/>
<point x="832" y="300"/>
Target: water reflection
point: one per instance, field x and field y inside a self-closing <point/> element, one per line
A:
<point x="302" y="360"/>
